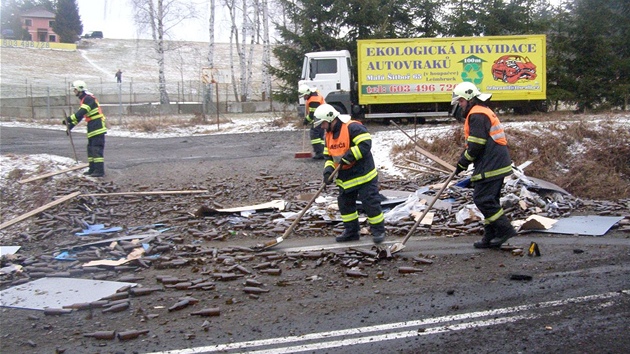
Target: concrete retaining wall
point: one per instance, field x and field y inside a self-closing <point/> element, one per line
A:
<point x="55" y="107"/>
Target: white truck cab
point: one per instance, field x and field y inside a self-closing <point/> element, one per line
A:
<point x="331" y="74"/>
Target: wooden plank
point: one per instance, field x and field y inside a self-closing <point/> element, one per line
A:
<point x="410" y="168"/>
<point x="427" y="166"/>
<point x="39" y="210"/>
<point x="144" y="193"/>
<point x="83" y="165"/>
<point x="274" y="204"/>
<point x="435" y="158"/>
<point x="426" y="153"/>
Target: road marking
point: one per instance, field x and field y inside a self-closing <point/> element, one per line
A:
<point x="390" y="336"/>
<point x="326" y="339"/>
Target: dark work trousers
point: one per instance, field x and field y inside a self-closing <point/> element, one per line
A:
<point x="317" y="139"/>
<point x="368" y="195"/>
<point x="487" y="196"/>
<point x="95" y="151"/>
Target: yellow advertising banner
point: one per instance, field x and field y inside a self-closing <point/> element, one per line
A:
<point x="427" y="69"/>
<point x="13" y="43"/>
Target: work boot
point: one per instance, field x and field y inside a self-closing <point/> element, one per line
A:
<point x="488" y="235"/>
<point x="99" y="170"/>
<point x="90" y="170"/>
<point x="503" y="231"/>
<point x="318" y="151"/>
<point x="378" y="232"/>
<point x="350" y="233"/>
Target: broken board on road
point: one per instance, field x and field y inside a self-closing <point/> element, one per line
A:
<point x="58" y="292"/>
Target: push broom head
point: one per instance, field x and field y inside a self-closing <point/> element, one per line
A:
<point x="303" y="155"/>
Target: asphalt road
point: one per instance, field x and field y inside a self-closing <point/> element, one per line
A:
<point x="577" y="301"/>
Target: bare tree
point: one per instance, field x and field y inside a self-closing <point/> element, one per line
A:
<point x="242" y="56"/>
<point x="234" y="43"/>
<point x="249" y="71"/>
<point x="207" y="99"/>
<point x="160" y="16"/>
<point x="266" y="77"/>
<point x="245" y="42"/>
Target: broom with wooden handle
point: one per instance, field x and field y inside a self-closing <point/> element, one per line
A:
<point x="303" y="154"/>
<point x="288" y="231"/>
<point x="397" y="247"/>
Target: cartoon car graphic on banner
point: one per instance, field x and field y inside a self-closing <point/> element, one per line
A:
<point x="512" y="68"/>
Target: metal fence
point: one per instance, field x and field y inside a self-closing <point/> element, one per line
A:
<point x="45" y="98"/>
<point x="130" y="91"/>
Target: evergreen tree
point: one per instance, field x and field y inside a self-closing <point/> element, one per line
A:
<point x="68" y="23"/>
<point x="463" y="18"/>
<point x="588" y="52"/>
<point x="312" y="25"/>
<point x="620" y="95"/>
<point x="528" y="16"/>
<point x="495" y="18"/>
<point x="318" y="25"/>
<point x="591" y="63"/>
<point x="559" y="50"/>
<point x="429" y="15"/>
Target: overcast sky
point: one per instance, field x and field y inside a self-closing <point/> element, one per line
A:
<point x="115" y="19"/>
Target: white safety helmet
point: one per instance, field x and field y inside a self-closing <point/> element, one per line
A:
<point x="79" y="85"/>
<point x="325" y="113"/>
<point x="304" y="90"/>
<point x="468" y="91"/>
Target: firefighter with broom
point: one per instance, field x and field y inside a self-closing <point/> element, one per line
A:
<point x="486" y="148"/>
<point x="349" y="144"/>
<point x="96" y="129"/>
<point x="312" y="101"/>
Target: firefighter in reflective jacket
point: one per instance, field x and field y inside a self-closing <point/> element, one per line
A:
<point x="486" y="148"/>
<point x="349" y="143"/>
<point x="96" y="129"/>
<point x="312" y="101"/>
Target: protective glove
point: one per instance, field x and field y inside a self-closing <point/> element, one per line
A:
<point x="458" y="170"/>
<point x="305" y="122"/>
<point x="68" y="123"/>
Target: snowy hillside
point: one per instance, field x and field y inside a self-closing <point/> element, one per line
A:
<point x="47" y="71"/>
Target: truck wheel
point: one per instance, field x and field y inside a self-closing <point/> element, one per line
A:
<point x="341" y="109"/>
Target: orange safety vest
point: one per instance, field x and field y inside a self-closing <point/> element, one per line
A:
<point x="496" y="130"/>
<point x="92" y="113"/>
<point x="338" y="147"/>
<point x="311" y="110"/>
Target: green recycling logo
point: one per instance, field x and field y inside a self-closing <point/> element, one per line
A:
<point x="472" y="69"/>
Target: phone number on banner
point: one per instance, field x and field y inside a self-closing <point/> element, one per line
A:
<point x="419" y="88"/>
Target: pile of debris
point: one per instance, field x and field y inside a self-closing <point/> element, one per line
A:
<point x="167" y="229"/>
<point x="146" y="252"/>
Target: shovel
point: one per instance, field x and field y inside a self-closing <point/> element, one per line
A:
<point x="397" y="247"/>
<point x="287" y="233"/>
